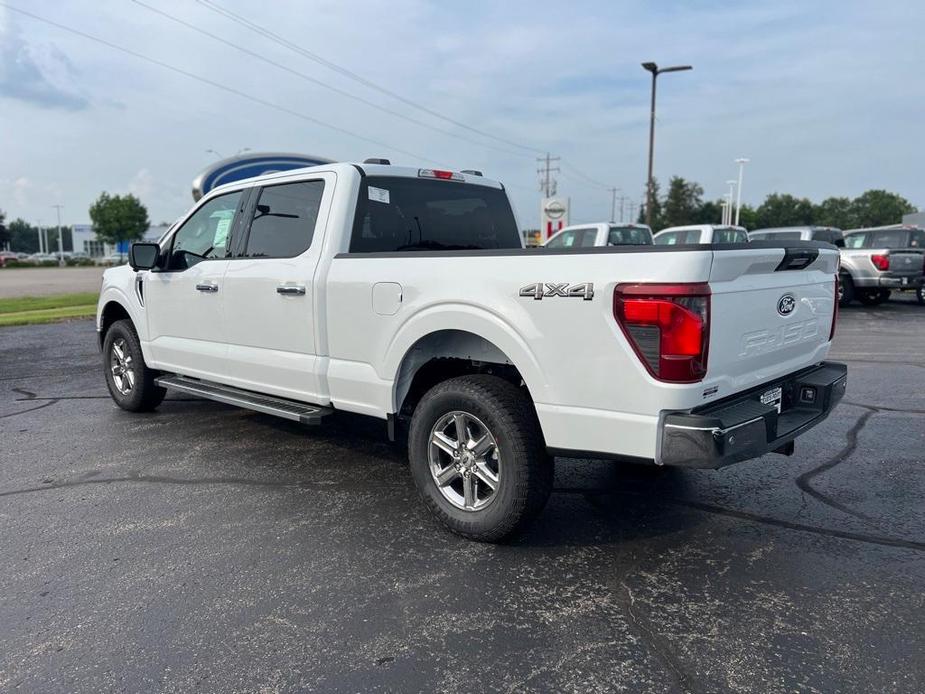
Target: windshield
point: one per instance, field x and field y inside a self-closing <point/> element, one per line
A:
<point x="629" y="236"/>
<point x="397" y="214"/>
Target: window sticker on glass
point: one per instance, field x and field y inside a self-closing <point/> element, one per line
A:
<point x="221" y="232"/>
<point x="378" y="194"/>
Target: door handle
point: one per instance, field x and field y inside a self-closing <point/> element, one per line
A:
<point x="207" y="287"/>
<point x="290" y="290"/>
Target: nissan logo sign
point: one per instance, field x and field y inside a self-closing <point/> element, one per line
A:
<point x="786" y="304"/>
<point x="554" y="209"/>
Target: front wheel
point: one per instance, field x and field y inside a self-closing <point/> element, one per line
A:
<point x="130" y="381"/>
<point x="478" y="457"/>
<point x="845" y="290"/>
<point x="871" y="297"/>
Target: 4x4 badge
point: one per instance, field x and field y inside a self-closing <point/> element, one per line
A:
<point x="585" y="290"/>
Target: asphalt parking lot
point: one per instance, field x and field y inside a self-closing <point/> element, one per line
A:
<point x="207" y="548"/>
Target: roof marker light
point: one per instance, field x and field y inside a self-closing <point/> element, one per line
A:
<point x="440" y="174"/>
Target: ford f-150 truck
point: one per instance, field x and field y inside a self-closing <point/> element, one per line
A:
<point x="880" y="260"/>
<point x="405" y="294"/>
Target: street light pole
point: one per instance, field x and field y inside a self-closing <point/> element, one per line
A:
<point x="656" y="71"/>
<point x="60" y="240"/>
<point x="730" y="195"/>
<point x="613" y="205"/>
<point x="741" y="162"/>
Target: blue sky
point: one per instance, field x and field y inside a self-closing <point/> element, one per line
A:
<point x="825" y="98"/>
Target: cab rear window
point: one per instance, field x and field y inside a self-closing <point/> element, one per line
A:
<point x="397" y="214"/>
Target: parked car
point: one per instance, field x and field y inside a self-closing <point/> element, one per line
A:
<point x="41" y="258"/>
<point x="7" y="256"/>
<point x="601" y="234"/>
<point x="406" y="295"/>
<point x="701" y="234"/>
<point x="879" y="260"/>
<point x="800" y="233"/>
<point x="113" y="259"/>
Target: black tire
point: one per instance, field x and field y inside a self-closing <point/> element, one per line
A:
<point x="144" y="394"/>
<point x="846" y="291"/>
<point x="524" y="468"/>
<point x="920" y="295"/>
<point x="884" y="295"/>
<point x="870" y="297"/>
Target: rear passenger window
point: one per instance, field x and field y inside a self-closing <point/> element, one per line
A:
<point x="399" y="214"/>
<point x="729" y="236"/>
<point x="284" y="220"/>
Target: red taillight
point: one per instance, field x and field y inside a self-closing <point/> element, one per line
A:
<point x="835" y="309"/>
<point x="668" y="326"/>
<point x="881" y="262"/>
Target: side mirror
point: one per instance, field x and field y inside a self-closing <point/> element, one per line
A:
<point x="143" y="256"/>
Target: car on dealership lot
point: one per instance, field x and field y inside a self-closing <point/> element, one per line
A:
<point x="879" y="260"/>
<point x="701" y="234"/>
<point x="6" y="257"/>
<point x="600" y="234"/>
<point x="41" y="258"/>
<point x="406" y="295"/>
<point x="809" y="232"/>
<point x="113" y="259"/>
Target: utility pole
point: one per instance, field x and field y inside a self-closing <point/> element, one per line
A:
<point x="656" y="71"/>
<point x="741" y="162"/>
<point x="60" y="237"/>
<point x="613" y="206"/>
<point x="548" y="183"/>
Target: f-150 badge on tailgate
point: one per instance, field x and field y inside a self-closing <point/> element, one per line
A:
<point x="585" y="290"/>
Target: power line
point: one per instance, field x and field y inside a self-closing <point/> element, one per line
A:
<point x="547" y="183"/>
<point x="217" y="85"/>
<point x="309" y="78"/>
<point x="585" y="177"/>
<point x="228" y="14"/>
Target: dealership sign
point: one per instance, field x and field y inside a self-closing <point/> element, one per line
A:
<point x="553" y="215"/>
<point x="249" y="165"/>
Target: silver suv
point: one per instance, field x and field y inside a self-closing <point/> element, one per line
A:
<point x="878" y="260"/>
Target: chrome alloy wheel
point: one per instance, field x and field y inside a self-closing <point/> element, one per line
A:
<point x="464" y="460"/>
<point x="120" y="363"/>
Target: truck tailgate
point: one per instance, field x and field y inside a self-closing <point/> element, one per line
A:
<point x="771" y="312"/>
<point x="905" y="263"/>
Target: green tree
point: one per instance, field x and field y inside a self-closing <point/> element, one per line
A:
<point x="835" y="212"/>
<point x="709" y="212"/>
<point x="118" y="218"/>
<point x="682" y="202"/>
<point x="24" y="238"/>
<point x="879" y="207"/>
<point x="4" y="232"/>
<point x="783" y="210"/>
<point x="748" y="217"/>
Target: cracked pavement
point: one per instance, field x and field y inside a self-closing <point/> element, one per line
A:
<point x="204" y="547"/>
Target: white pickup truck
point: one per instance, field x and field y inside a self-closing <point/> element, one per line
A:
<point x="405" y="294"/>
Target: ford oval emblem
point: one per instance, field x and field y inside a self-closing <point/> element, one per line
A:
<point x="786" y="304"/>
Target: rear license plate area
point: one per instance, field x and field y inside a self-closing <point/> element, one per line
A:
<point x="773" y="397"/>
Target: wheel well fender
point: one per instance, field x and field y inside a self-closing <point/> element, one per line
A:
<point x="456" y="342"/>
<point x="112" y="311"/>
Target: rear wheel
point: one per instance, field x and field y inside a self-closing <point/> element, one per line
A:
<point x="130" y="381"/>
<point x="478" y="457"/>
<point x="920" y="295"/>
